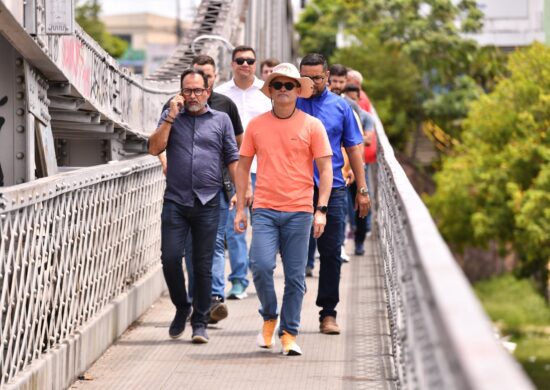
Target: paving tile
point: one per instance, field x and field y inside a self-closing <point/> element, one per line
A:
<point x="360" y="358"/>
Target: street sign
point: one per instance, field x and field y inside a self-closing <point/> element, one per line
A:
<point x="59" y="17"/>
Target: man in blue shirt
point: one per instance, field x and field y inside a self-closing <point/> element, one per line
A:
<point x="342" y="130"/>
<point x="198" y="142"/>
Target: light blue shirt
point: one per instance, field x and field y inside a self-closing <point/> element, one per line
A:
<point x="337" y="117"/>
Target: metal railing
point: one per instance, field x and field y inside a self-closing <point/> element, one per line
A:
<point x="69" y="244"/>
<point x="441" y="338"/>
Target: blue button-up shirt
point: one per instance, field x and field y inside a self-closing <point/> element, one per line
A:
<point x="337" y="117"/>
<point x="198" y="146"/>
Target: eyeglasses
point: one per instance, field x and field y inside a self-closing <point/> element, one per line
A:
<point x="315" y="79"/>
<point x="196" y="91"/>
<point x="249" y="61"/>
<point x="277" y="85"/>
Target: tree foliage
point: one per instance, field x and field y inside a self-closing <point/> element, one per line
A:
<point x="392" y="82"/>
<point x="428" y="35"/>
<point x="497" y="185"/>
<point x="87" y="15"/>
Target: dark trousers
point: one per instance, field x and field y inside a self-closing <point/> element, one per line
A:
<point x="329" y="245"/>
<point x="363" y="225"/>
<point x="202" y="220"/>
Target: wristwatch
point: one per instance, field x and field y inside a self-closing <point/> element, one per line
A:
<point x="322" y="209"/>
<point x="363" y="191"/>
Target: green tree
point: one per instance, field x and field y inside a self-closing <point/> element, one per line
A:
<point x="87" y="15"/>
<point x="392" y="81"/>
<point x="426" y="34"/>
<point x="497" y="185"/>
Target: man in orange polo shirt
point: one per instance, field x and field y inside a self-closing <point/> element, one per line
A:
<point x="286" y="142"/>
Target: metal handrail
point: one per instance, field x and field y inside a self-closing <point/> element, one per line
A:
<point x="441" y="337"/>
<point x="70" y="244"/>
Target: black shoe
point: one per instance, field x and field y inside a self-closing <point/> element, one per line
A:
<point x="218" y="310"/>
<point x="309" y="271"/>
<point x="359" y="249"/>
<point x="199" y="335"/>
<point x="178" y="324"/>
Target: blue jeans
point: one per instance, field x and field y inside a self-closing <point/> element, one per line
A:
<point x="218" y="260"/>
<point x="289" y="232"/>
<point x="177" y="221"/>
<point x="329" y="245"/>
<point x="238" y="255"/>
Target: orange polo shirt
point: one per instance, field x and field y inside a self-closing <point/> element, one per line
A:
<point x="285" y="149"/>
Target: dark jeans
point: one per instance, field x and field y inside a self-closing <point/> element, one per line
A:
<point x="202" y="220"/>
<point x="329" y="245"/>
<point x="363" y="225"/>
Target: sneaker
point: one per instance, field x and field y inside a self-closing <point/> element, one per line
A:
<point x="218" y="310"/>
<point x="178" y="324"/>
<point x="309" y="271"/>
<point x="359" y="249"/>
<point x="290" y="348"/>
<point x="238" y="291"/>
<point x="343" y="255"/>
<point x="329" y="326"/>
<point x="266" y="338"/>
<point x="199" y="335"/>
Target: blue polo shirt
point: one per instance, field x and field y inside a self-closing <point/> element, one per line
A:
<point x="337" y="117"/>
<point x="198" y="148"/>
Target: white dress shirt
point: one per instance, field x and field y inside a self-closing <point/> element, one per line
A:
<point x="250" y="102"/>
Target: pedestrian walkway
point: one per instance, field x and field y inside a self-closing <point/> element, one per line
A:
<point x="359" y="358"/>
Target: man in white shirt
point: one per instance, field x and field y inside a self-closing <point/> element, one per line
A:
<point x="244" y="90"/>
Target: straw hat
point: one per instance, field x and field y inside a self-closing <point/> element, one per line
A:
<point x="288" y="70"/>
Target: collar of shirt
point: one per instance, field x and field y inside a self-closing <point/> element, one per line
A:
<point x="256" y="84"/>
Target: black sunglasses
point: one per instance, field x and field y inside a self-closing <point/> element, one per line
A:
<point x="249" y="61"/>
<point x="277" y="85"/>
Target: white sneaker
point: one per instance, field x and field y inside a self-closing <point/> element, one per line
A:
<point x="343" y="255"/>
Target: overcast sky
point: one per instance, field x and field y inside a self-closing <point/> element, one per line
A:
<point x="159" y="7"/>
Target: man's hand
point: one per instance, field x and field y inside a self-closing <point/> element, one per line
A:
<point x="367" y="138"/>
<point x="176" y="104"/>
<point x="233" y="202"/>
<point x="349" y="177"/>
<point x="240" y="221"/>
<point x="249" y="197"/>
<point x="319" y="223"/>
<point x="362" y="203"/>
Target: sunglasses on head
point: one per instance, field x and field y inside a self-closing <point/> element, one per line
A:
<point x="249" y="61"/>
<point x="277" y="85"/>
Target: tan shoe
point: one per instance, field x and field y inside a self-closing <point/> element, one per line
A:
<point x="290" y="348"/>
<point x="329" y="326"/>
<point x="267" y="337"/>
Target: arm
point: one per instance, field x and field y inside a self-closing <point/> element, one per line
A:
<point x="241" y="183"/>
<point x="324" y="165"/>
<point x="362" y="202"/>
<point x="346" y="169"/>
<point x="163" y="162"/>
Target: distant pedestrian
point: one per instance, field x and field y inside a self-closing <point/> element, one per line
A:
<point x="198" y="142"/>
<point x="342" y="130"/>
<point x="266" y="67"/>
<point x="286" y="141"/>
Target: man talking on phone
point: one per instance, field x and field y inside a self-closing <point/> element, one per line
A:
<point x="198" y="142"/>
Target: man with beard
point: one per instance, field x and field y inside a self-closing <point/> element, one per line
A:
<point x="198" y="141"/>
<point x="342" y="130"/>
<point x="219" y="102"/>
